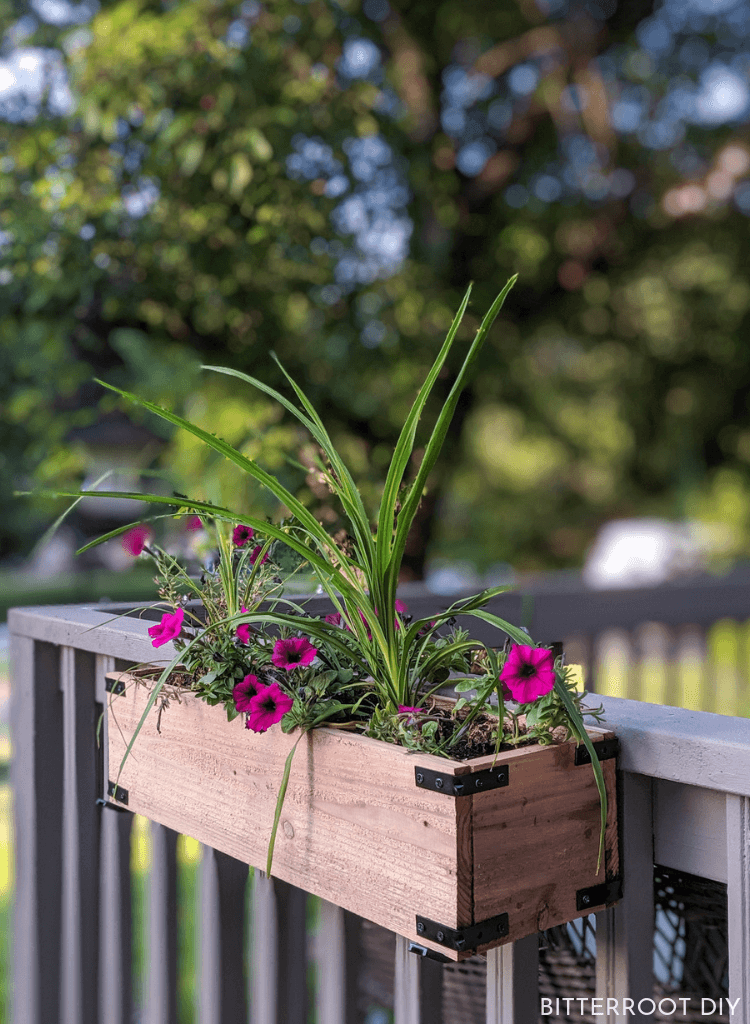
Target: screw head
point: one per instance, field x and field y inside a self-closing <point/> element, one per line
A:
<point x="585" y="900"/>
<point x="458" y="788"/>
<point x="478" y="783"/>
<point x="420" y="927"/>
<point x="420" y="777"/>
<point x="438" y="783"/>
<point x="440" y="936"/>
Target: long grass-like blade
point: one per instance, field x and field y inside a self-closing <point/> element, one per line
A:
<point x="579" y="730"/>
<point x="216" y="511"/>
<point x="347" y="490"/>
<point x="434" y="445"/>
<point x="268" y="481"/>
<point x="405" y="444"/>
<point x="280" y="802"/>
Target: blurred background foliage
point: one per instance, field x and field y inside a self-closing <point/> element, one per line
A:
<point x="205" y="181"/>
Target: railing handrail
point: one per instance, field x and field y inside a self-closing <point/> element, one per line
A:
<point x="696" y="748"/>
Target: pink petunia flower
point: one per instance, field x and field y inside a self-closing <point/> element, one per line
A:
<point x="194" y="523"/>
<point x="529" y="672"/>
<point x="410" y="713"/>
<point x="292" y="653"/>
<point x="401" y="608"/>
<point x="169" y="627"/>
<point x="507" y="695"/>
<point x="136" y="539"/>
<point x="268" y="707"/>
<point x="334" y="618"/>
<point x="241" y="535"/>
<point x="255" y="553"/>
<point x="244" y="692"/>
<point x="244" y="630"/>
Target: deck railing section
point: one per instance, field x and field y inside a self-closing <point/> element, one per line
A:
<point x="685" y="802"/>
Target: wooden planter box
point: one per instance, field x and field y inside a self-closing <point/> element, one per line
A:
<point x="456" y="856"/>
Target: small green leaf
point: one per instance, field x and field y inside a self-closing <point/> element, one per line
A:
<point x="464" y="685"/>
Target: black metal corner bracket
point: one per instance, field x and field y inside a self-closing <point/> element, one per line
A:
<point x="462" y="785"/>
<point x="116" y="686"/>
<point x="599" y="895"/>
<point x="464" y="939"/>
<point x="117" y="792"/>
<point x="605" y="749"/>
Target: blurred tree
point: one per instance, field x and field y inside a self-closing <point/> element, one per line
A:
<point x="322" y="180"/>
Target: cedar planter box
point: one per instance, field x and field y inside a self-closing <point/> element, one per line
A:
<point x="456" y="856"/>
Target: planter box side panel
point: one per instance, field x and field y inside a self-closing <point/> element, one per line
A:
<point x="355" y="829"/>
<point x="536" y="841"/>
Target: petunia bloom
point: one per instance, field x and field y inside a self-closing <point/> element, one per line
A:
<point x="268" y="707"/>
<point x="528" y="672"/>
<point x="255" y="553"/>
<point x="334" y="618"/>
<point x="136" y="539"/>
<point x="292" y="653"/>
<point x="241" y="535"/>
<point x="244" y="630"/>
<point x="401" y="608"/>
<point x="411" y="714"/>
<point x="194" y="523"/>
<point x="244" y="692"/>
<point x="169" y="627"/>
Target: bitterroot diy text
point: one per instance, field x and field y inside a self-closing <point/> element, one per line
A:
<point x="623" y="1007"/>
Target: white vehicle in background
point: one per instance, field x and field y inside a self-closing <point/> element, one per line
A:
<point x="647" y="552"/>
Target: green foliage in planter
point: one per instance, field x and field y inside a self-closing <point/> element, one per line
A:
<point x="389" y="657"/>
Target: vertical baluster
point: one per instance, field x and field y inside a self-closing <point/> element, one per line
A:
<point x="738" y="902"/>
<point x="279" y="953"/>
<point x="79" y="982"/>
<point x="338" y="956"/>
<point x="116" y="981"/>
<point x="37" y="773"/>
<point x="513" y="982"/>
<point x="625" y="933"/>
<point x="418" y="987"/>
<point x="223" y="988"/>
<point x="579" y="650"/>
<point x="691" y="663"/>
<point x="162" y="927"/>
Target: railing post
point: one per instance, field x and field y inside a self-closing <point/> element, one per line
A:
<point x="37" y="775"/>
<point x="738" y="904"/>
<point x="513" y="982"/>
<point x="625" y="933"/>
<point x="418" y="987"/>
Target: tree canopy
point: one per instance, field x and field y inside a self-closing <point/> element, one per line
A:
<point x="212" y="181"/>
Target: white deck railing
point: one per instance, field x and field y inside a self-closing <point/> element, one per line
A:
<point x="685" y="804"/>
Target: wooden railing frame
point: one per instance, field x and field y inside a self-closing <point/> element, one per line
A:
<point x="685" y="798"/>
